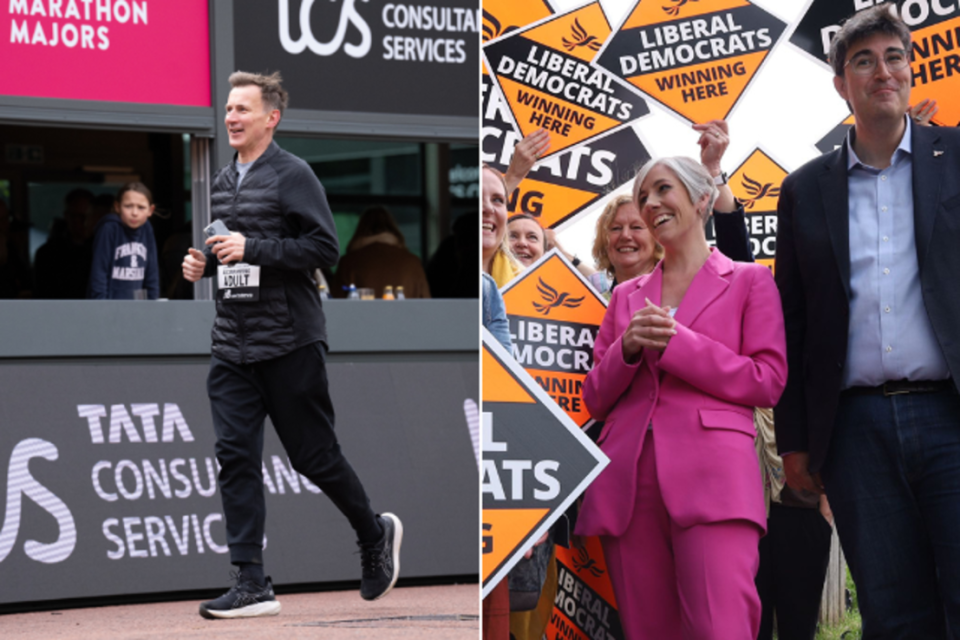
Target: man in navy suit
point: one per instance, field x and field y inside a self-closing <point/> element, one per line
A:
<point x="868" y="265"/>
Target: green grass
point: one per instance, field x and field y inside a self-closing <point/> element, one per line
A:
<point x="848" y="627"/>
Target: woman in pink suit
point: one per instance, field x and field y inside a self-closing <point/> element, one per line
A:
<point x="683" y="356"/>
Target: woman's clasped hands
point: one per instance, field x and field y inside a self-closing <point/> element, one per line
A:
<point x="649" y="328"/>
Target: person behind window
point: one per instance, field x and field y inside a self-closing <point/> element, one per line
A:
<point x="62" y="264"/>
<point x="377" y="257"/>
<point x="14" y="271"/>
<point x="124" y="249"/>
<point x="452" y="269"/>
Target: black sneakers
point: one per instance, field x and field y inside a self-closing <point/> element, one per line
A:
<point x="246" y="599"/>
<point x="381" y="561"/>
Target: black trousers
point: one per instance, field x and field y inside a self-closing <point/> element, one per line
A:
<point x="793" y="565"/>
<point x="292" y="390"/>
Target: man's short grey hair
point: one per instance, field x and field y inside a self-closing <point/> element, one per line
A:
<point x="273" y="95"/>
<point x="692" y="175"/>
<point x="878" y="19"/>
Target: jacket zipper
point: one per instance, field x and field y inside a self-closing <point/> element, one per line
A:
<point x="240" y="323"/>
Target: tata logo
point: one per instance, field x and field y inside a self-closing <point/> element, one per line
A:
<point x="19" y="484"/>
<point x="348" y="16"/>
<point x="552" y="299"/>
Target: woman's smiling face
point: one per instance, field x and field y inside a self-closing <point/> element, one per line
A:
<point x="525" y="238"/>
<point x="494" y="218"/>
<point x="665" y="206"/>
<point x="630" y="247"/>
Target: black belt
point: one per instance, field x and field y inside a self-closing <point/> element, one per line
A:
<point x="899" y="387"/>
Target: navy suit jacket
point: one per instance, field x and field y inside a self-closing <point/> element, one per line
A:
<point x="813" y="275"/>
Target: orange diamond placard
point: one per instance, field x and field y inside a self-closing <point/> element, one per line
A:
<point x="545" y="74"/>
<point x="585" y="607"/>
<point x="500" y="17"/>
<point x="756" y="183"/>
<point x="562" y="187"/>
<point x="696" y="57"/>
<point x="554" y="318"/>
<point x="536" y="462"/>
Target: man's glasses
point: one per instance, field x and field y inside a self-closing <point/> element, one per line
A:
<point x="865" y="64"/>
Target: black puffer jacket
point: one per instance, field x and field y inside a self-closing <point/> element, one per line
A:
<point x="282" y="211"/>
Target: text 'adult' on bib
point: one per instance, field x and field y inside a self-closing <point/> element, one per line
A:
<point x="935" y="52"/>
<point x="756" y="183"/>
<point x="536" y="462"/>
<point x="694" y="56"/>
<point x="545" y="74"/>
<point x="555" y="316"/>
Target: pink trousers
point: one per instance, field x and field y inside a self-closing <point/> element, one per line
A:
<point x="673" y="583"/>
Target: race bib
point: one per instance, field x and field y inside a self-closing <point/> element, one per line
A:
<point x="238" y="282"/>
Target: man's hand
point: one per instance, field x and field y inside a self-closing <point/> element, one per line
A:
<point x="193" y="265"/>
<point x="525" y="155"/>
<point x="228" y="248"/>
<point x="649" y="328"/>
<point x="796" y="466"/>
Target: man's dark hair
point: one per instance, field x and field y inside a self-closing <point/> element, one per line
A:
<point x="878" y="19"/>
<point x="273" y="95"/>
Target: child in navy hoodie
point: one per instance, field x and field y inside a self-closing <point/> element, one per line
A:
<point x="124" y="249"/>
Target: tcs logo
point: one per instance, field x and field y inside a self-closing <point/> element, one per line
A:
<point x="348" y="16"/>
<point x="20" y="483"/>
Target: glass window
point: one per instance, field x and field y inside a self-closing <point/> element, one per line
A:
<point x="357" y="174"/>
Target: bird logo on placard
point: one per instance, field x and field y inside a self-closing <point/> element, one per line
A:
<point x="584" y="563"/>
<point x="580" y="38"/>
<point x="492" y="27"/>
<point x="675" y="9"/>
<point x="554" y="299"/>
<point x="758" y="191"/>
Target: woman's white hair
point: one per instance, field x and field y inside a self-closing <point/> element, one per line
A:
<point x="692" y="175"/>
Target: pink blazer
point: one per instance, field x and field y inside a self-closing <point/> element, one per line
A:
<point x="729" y="355"/>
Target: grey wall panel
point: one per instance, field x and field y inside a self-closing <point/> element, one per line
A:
<point x="106" y="115"/>
<point x="347" y="124"/>
<point x="95" y="328"/>
<point x="400" y="423"/>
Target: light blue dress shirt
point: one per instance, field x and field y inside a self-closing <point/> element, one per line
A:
<point x="890" y="336"/>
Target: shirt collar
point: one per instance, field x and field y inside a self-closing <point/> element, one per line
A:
<point x="905" y="147"/>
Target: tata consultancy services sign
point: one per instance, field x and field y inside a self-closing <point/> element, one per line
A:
<point x="379" y="56"/>
<point x="141" y="51"/>
<point x="108" y="478"/>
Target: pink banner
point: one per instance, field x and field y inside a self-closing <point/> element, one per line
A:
<point x="144" y="51"/>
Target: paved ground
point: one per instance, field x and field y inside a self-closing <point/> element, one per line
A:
<point x="428" y="613"/>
